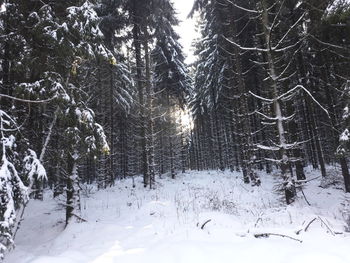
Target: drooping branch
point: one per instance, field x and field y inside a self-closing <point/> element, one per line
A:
<point x="27" y="101"/>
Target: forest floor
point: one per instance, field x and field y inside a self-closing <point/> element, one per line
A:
<point x="170" y="224"/>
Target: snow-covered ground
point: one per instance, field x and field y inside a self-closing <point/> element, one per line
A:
<point x="126" y="224"/>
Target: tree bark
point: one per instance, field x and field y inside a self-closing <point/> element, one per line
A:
<point x="289" y="184"/>
<point x="73" y="190"/>
<point x="139" y="66"/>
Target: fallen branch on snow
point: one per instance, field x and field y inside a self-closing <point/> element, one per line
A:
<point x="330" y="230"/>
<point x="307" y="180"/>
<point x="80" y="218"/>
<point x="322" y="222"/>
<point x="302" y="191"/>
<point x="203" y="225"/>
<point x="305" y="228"/>
<point x="309" y="224"/>
<point x="265" y="235"/>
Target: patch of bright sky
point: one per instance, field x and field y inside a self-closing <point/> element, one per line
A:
<point x="186" y="29"/>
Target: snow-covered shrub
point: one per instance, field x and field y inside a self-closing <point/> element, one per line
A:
<point x="33" y="168"/>
<point x="12" y="190"/>
<point x="13" y="193"/>
<point x="214" y="203"/>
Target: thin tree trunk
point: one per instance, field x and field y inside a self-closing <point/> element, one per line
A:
<point x="112" y="176"/>
<point x="345" y="173"/>
<point x="72" y="191"/>
<point x="137" y="45"/>
<point x="183" y="154"/>
<point x="245" y="131"/>
<point x="149" y="115"/>
<point x="289" y="185"/>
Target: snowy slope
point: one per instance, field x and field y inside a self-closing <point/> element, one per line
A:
<point x="164" y="225"/>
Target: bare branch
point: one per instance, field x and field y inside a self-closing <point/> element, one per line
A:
<point x="243" y="8"/>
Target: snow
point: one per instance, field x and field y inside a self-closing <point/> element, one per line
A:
<point x="33" y="166"/>
<point x="126" y="224"/>
<point x="344" y="137"/>
<point x="335" y="3"/>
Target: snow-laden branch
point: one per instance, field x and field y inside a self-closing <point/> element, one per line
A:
<point x="327" y="44"/>
<point x="275" y="118"/>
<point x="27" y="101"/>
<point x="287" y="33"/>
<point x="267" y="148"/>
<point x="33" y="167"/>
<point x="266" y="117"/>
<point x="243" y="8"/>
<point x="307" y="92"/>
<point x="275" y="21"/>
<point x="279" y="77"/>
<point x="285" y="95"/>
<point x="244" y="48"/>
<point x="284" y="49"/>
<point x="279" y="161"/>
<point x="260" y="98"/>
<point x="268" y="123"/>
<point x="286" y="146"/>
<point x="4" y="114"/>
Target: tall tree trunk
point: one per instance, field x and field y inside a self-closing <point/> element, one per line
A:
<point x="243" y="116"/>
<point x="183" y="153"/>
<point x="289" y="183"/>
<point x="171" y="153"/>
<point x="149" y="115"/>
<point x="112" y="176"/>
<point x="139" y="66"/>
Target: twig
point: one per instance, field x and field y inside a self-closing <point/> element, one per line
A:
<point x="244" y="188"/>
<point x="330" y="230"/>
<point x="257" y="221"/>
<point x="307" y="226"/>
<point x="323" y="222"/>
<point x="302" y="191"/>
<point x="279" y="235"/>
<point x="80" y="218"/>
<point x="306" y="181"/>
<point x="206" y="222"/>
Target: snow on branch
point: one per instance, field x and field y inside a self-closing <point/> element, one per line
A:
<point x="286" y="146"/>
<point x="243" y="8"/>
<point x="244" y="48"/>
<point x="284" y="49"/>
<point x="260" y="98"/>
<point x="327" y="44"/>
<point x="274" y="160"/>
<point x="27" y="101"/>
<point x="287" y="33"/>
<point x="267" y="148"/>
<point x="33" y="167"/>
<point x="10" y="183"/>
<point x="276" y="16"/>
<point x="288" y="93"/>
<point x="307" y="92"/>
<point x="266" y="117"/>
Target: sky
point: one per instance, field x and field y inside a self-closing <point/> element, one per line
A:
<point x="186" y="29"/>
